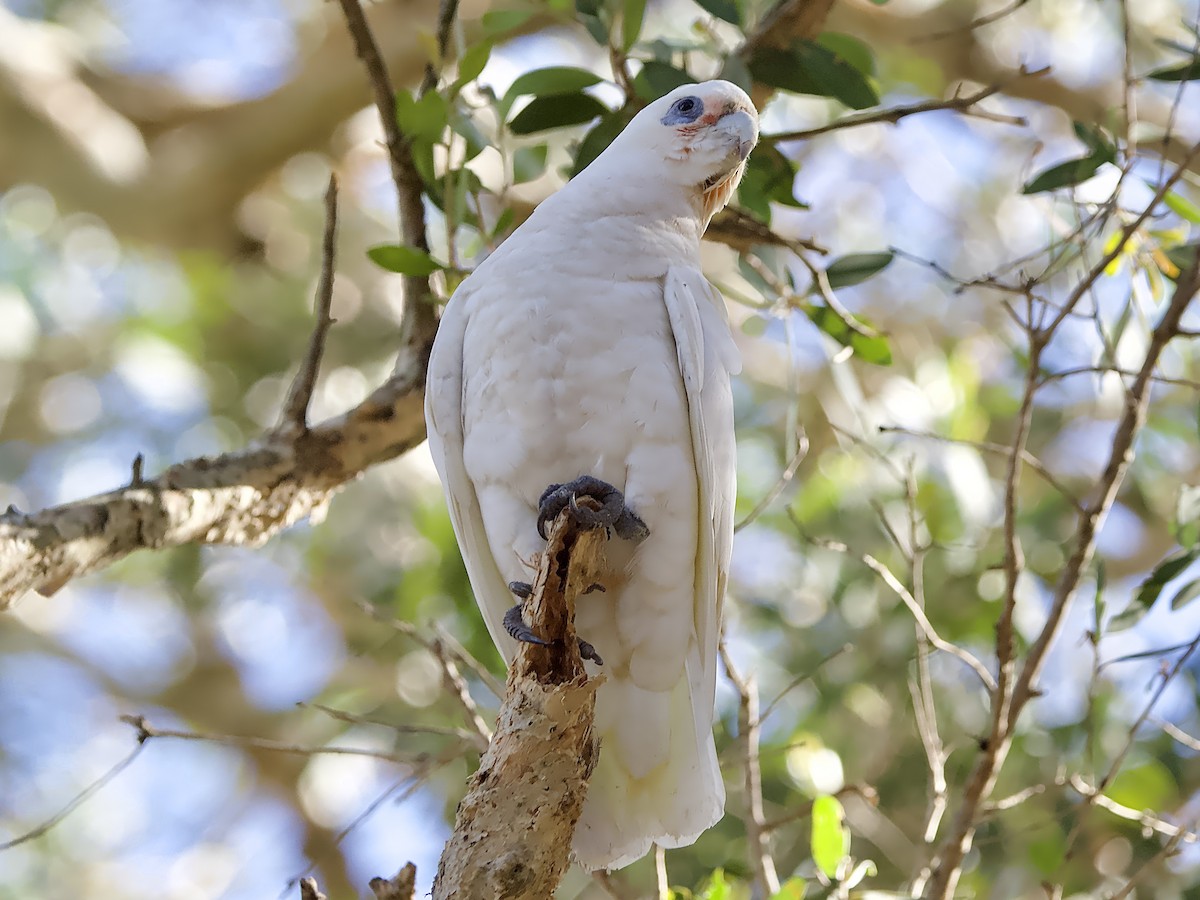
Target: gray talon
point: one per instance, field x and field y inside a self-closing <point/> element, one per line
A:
<point x="515" y="625"/>
<point x="587" y="651"/>
<point x="592" y="588"/>
<point x="613" y="513"/>
<point x="522" y="589"/>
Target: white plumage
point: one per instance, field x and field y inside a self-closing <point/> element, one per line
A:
<point x="590" y="343"/>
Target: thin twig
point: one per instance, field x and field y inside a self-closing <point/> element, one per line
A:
<point x="893" y="115"/>
<point x="979" y="22"/>
<point x="78" y="800"/>
<point x="757" y="837"/>
<point x="399" y="727"/>
<point x="420" y="318"/>
<point x="1168" y="849"/>
<point x="785" y="478"/>
<point x="299" y="396"/>
<point x="909" y="601"/>
<point x="447" y="12"/>
<point x="989" y="447"/>
<point x="1094" y="794"/>
<point x="804" y="810"/>
<point x="146" y="731"/>
<point x="1180" y="735"/>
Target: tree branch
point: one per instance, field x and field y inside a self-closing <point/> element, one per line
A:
<point x="987" y="767"/>
<point x="536" y="769"/>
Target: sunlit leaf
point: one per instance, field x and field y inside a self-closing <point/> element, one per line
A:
<point x="830" y="837"/>
<point x="1147" y="786"/>
<point x="874" y="350"/>
<point x="1183" y="257"/>
<point x="556" y="111"/>
<point x="1182" y="207"/>
<point x="717" y="888"/>
<point x="404" y="260"/>
<point x="792" y="889"/>
<point x="1152" y="587"/>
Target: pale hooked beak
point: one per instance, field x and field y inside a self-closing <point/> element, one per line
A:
<point x="742" y="128"/>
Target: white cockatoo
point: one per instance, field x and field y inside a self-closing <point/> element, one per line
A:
<point x="590" y="344"/>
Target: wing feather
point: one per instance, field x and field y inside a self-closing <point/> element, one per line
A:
<point x="707" y="359"/>
<point x="444" y="418"/>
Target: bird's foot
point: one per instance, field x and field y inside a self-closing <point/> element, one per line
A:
<point x="587" y="651"/>
<point x="514" y="624"/>
<point x="613" y="512"/>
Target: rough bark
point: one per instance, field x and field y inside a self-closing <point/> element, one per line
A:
<point x="536" y="769"/>
<point x="242" y="498"/>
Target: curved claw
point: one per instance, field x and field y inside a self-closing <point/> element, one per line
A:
<point x="515" y="625"/>
<point x="613" y="513"/>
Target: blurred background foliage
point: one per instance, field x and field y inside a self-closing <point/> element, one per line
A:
<point x="161" y="169"/>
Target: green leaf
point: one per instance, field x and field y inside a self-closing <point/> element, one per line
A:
<point x="658" y="78"/>
<point x="597" y="140"/>
<point x="1189" y="71"/>
<point x="830" y="837"/>
<point x="770" y="177"/>
<point x="1148" y="786"/>
<point x="552" y="80"/>
<point x="404" y="260"/>
<point x="1183" y="256"/>
<point x="632" y="14"/>
<point x="499" y="21"/>
<point x="1075" y="171"/>
<point x="855" y="268"/>
<point x="529" y="163"/>
<point x="556" y="111"/>
<point x="1064" y="174"/>
<point x="722" y="9"/>
<point x="424" y="119"/>
<point x="1148" y="593"/>
<point x="1186" y="594"/>
<point x="1182" y="207"/>
<point x="875" y="350"/>
<point x="792" y="889"/>
<point x="466" y="127"/>
<point x="735" y="70"/>
<point x="473" y="62"/>
<point x="809" y="68"/>
<point x="717" y="888"/>
<point x="849" y="48"/>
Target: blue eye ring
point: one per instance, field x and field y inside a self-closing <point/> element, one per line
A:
<point x="684" y="111"/>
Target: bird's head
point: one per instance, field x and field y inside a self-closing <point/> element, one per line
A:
<point x="703" y="134"/>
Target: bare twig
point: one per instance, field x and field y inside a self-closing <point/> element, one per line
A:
<point x="962" y="104"/>
<point x="1094" y="794"/>
<point x="399" y="727"/>
<point x="909" y="601"/>
<point x="457" y="686"/>
<point x="785" y="478"/>
<point x="989" y="447"/>
<point x="758" y="838"/>
<point x="978" y="22"/>
<point x="420" y="317"/>
<point x="1180" y="735"/>
<point x="146" y="731"/>
<point x="1008" y="703"/>
<point x="78" y="800"/>
<point x="447" y="12"/>
<point x="299" y="396"/>
<point x="1168" y="849"/>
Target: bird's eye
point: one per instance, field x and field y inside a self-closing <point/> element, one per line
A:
<point x="684" y="111"/>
